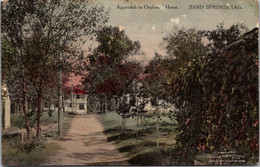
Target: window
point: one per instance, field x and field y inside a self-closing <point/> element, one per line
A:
<point x="81" y="107"/>
<point x="46" y="105"/>
<point x="78" y="96"/>
<point x="132" y="100"/>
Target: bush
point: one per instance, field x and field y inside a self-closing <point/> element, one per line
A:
<point x="14" y="153"/>
<point x="30" y="146"/>
<point x="218" y="100"/>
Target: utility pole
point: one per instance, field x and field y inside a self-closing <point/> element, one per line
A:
<point x="60" y="98"/>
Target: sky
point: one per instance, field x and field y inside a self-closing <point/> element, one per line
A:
<point x="150" y="26"/>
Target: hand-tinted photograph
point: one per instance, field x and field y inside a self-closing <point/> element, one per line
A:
<point x="129" y="82"/>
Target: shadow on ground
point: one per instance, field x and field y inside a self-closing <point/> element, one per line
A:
<point x="140" y="151"/>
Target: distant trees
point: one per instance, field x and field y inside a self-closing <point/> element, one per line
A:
<point x="110" y="71"/>
<point x="39" y="32"/>
<point x="211" y="78"/>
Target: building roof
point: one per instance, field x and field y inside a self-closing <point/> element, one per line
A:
<point x="76" y="90"/>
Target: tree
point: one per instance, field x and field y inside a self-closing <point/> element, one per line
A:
<point x="42" y="30"/>
<point x="11" y="29"/>
<point x="221" y="37"/>
<point x="108" y="63"/>
<point x="183" y="45"/>
<point x="214" y="96"/>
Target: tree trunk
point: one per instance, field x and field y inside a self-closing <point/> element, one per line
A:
<point x="122" y="123"/>
<point x="39" y="111"/>
<point x="49" y="109"/>
<point x="15" y="108"/>
<point x="106" y="104"/>
<point x="25" y="111"/>
<point x="137" y="121"/>
<point x="63" y="105"/>
<point x="49" y="106"/>
<point x="137" y="125"/>
<point x="142" y="120"/>
<point x="19" y="108"/>
<point x="118" y="103"/>
<point x="157" y="131"/>
<point x="99" y="106"/>
<point x="60" y="103"/>
<point x="71" y="86"/>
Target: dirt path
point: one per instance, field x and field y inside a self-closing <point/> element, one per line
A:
<point x="86" y="144"/>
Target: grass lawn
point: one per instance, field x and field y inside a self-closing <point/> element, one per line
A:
<point x="18" y="122"/>
<point x="141" y="150"/>
<point x="15" y="153"/>
<point x="46" y="119"/>
<point x="66" y="122"/>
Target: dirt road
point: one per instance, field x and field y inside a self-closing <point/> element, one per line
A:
<point x="86" y="144"/>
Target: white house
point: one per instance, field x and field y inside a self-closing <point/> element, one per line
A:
<point x="76" y="101"/>
<point x="73" y="101"/>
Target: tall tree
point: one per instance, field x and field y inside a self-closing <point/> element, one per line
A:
<point x="108" y="64"/>
<point x="208" y="91"/>
<point x="221" y="36"/>
<point x="13" y="21"/>
<point x="41" y="30"/>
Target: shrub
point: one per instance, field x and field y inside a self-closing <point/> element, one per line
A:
<point x="218" y="100"/>
<point x="31" y="145"/>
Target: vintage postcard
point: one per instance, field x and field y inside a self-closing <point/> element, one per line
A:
<point x="129" y="82"/>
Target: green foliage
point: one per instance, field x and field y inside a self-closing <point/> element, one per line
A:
<point x="27" y="147"/>
<point x="17" y="120"/>
<point x="141" y="150"/>
<point x="7" y="57"/>
<point x="183" y="45"/>
<point x="223" y="36"/>
<point x="47" y="120"/>
<point x="15" y="153"/>
<point x="115" y="45"/>
<point x="110" y="72"/>
<point x="36" y="34"/>
<point x="218" y="101"/>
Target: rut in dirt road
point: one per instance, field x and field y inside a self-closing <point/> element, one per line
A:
<point x="86" y="144"/>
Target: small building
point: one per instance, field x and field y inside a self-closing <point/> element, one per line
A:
<point x="76" y="101"/>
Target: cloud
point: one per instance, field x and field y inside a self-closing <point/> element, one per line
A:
<point x="121" y="28"/>
<point x="175" y="20"/>
<point x="161" y="7"/>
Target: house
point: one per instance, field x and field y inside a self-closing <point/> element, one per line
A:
<point x="149" y="107"/>
<point x="75" y="101"/>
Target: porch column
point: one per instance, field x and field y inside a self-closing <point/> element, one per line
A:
<point x="86" y="103"/>
<point x="6" y="110"/>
